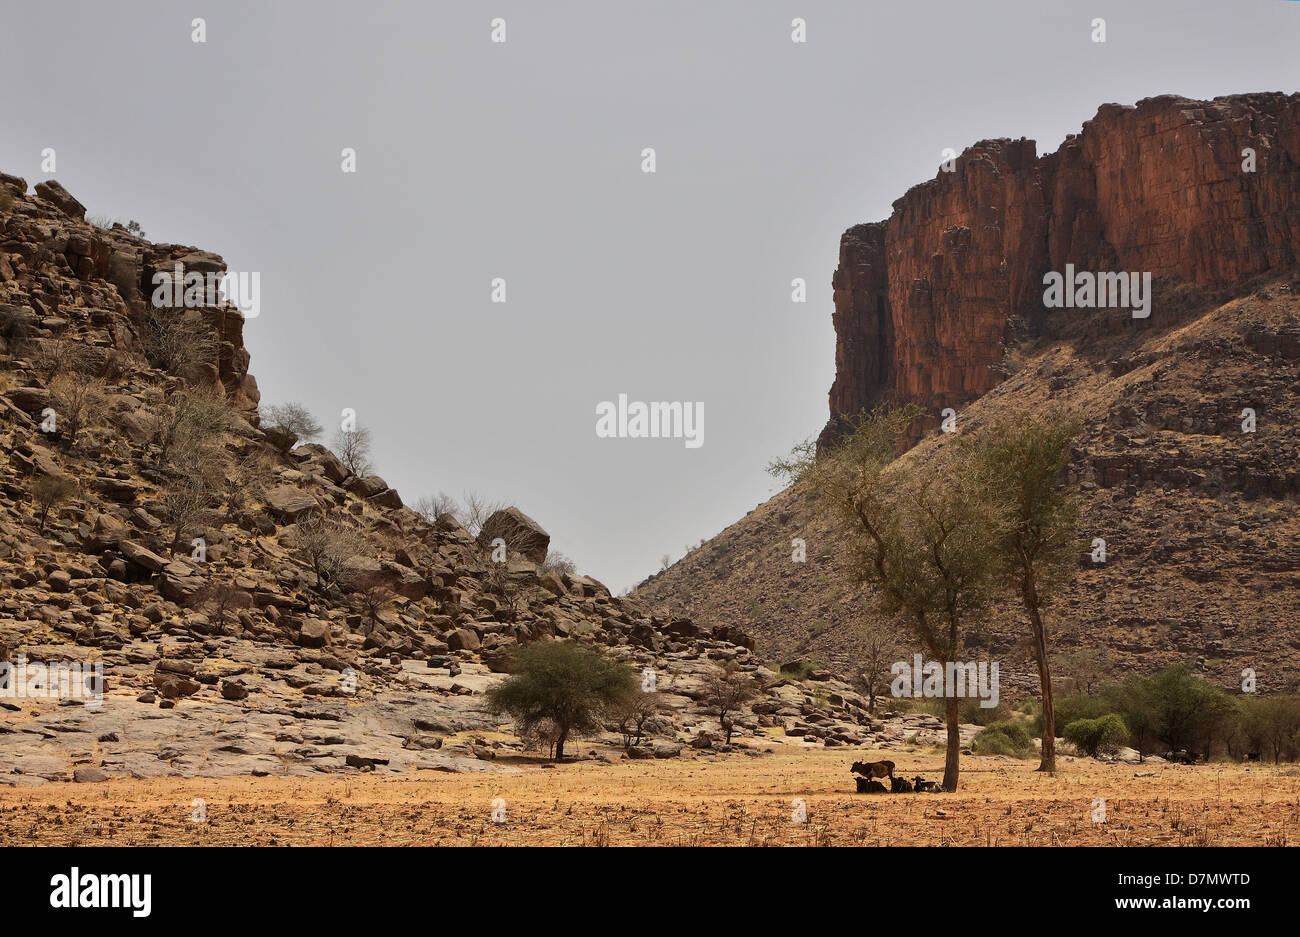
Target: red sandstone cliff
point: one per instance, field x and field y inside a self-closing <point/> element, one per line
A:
<point x="927" y="301"/>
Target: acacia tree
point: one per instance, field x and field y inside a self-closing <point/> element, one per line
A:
<point x="189" y="419"/>
<point x="919" y="535"/>
<point x="633" y="717"/>
<point x="1022" y="461"/>
<point x="49" y="490"/>
<point x="566" y="683"/>
<point x="78" y="401"/>
<point x="194" y="481"/>
<point x="370" y="596"/>
<point x="178" y="341"/>
<point x="436" y="508"/>
<point x="352" y="446"/>
<point x="880" y="649"/>
<point x="726" y="691"/>
<point x="294" y="419"/>
<point x="218" y="599"/>
<point x="325" y="545"/>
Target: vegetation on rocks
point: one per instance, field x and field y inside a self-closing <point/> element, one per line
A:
<point x="564" y="685"/>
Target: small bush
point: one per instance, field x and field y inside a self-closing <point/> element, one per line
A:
<point x="972" y="712"/>
<point x="1003" y="738"/>
<point x="1078" y="706"/>
<point x="1101" y="736"/>
<point x="178" y="341"/>
<point x="291" y="419"/>
<point x="49" y="490"/>
<point x="557" y="562"/>
<point x="799" y="671"/>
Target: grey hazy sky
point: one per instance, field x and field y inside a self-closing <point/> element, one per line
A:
<point x="522" y="161"/>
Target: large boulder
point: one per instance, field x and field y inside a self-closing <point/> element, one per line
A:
<point x="521" y="533"/>
<point x="54" y="193"/>
<point x="31" y="400"/>
<point x="367" y="486"/>
<point x="174" y="685"/>
<point x="141" y="556"/>
<point x="313" y="633"/>
<point x="462" y="639"/>
<point x="290" y="503"/>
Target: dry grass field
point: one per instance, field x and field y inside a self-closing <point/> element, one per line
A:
<point x="730" y="800"/>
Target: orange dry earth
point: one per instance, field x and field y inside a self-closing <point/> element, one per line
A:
<point x="733" y="800"/>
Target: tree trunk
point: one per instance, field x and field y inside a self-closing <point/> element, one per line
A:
<point x="1029" y="595"/>
<point x="1048" y="762"/>
<point x="44" y="513"/>
<point x="952" y="758"/>
<point x="559" y="744"/>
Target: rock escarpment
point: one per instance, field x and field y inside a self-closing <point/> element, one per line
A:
<point x="1199" y="193"/>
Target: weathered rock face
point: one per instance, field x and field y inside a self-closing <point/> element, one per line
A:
<point x="63" y="276"/>
<point x="927" y="301"/>
<point x="382" y="635"/>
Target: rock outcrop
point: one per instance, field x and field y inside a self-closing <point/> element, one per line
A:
<point x="1197" y="193"/>
<point x="318" y="624"/>
<point x="63" y="278"/>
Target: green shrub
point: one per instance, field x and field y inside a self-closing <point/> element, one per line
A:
<point x="1003" y="738"/>
<point x="1078" y="706"/>
<point x="799" y="671"/>
<point x="1101" y="736"/>
<point x="1030" y="707"/>
<point x="972" y="712"/>
<point x="562" y="687"/>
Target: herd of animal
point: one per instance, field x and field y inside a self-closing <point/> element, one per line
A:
<point x="870" y="770"/>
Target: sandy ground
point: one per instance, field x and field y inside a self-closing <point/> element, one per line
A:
<point x="719" y="800"/>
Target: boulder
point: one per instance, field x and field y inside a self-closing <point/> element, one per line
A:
<point x="173" y="686"/>
<point x="30" y="400"/>
<point x="289" y="503"/>
<point x="313" y="633"/>
<point x="520" y="532"/>
<point x="462" y="639"/>
<point x="367" y="487"/>
<point x="54" y="193"/>
<point x="142" y="557"/>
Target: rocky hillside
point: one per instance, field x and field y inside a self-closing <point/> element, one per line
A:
<point x="292" y="617"/>
<point x="942" y="305"/>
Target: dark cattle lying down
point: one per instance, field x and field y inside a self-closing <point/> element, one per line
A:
<point x="900" y="786"/>
<point x="870" y="786"/>
<point x="873" y="769"/>
<point x="922" y="786"/>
